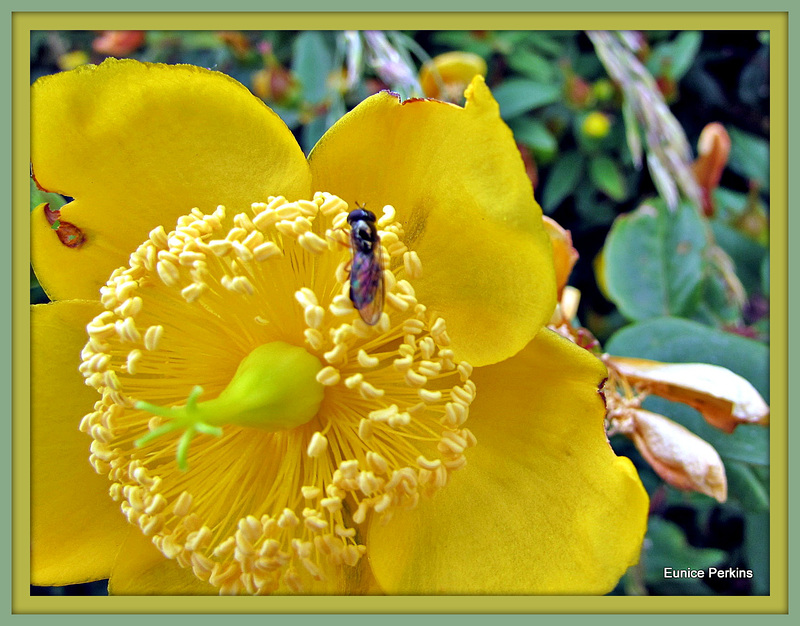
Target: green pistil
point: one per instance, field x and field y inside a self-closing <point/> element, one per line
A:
<point x="187" y="417"/>
<point x="274" y="388"/>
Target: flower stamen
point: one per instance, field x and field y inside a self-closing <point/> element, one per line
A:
<point x="277" y="499"/>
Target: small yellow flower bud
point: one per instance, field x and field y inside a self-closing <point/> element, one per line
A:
<point x="447" y="75"/>
<point x="596" y="125"/>
<point x="71" y="60"/>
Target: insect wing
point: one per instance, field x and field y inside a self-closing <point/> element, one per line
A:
<point x="366" y="284"/>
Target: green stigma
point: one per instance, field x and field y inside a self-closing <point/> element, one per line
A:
<point x="274" y="388"/>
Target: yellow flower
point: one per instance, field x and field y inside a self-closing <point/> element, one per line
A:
<point x="249" y="432"/>
<point x="447" y="75"/>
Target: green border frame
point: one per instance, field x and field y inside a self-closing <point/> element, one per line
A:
<point x="777" y="22"/>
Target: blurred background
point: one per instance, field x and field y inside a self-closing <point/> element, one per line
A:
<point x="608" y="124"/>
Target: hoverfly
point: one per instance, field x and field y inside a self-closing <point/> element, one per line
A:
<point x="366" y="269"/>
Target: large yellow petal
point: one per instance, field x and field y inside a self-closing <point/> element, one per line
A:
<point x="76" y="529"/>
<point x="459" y="186"/>
<point x="543" y="505"/>
<point x="138" y="145"/>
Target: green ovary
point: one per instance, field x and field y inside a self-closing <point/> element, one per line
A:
<point x="274" y="388"/>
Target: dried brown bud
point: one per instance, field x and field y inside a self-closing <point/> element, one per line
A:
<point x="725" y="399"/>
<point x="680" y="457"/>
<point x="713" y="148"/>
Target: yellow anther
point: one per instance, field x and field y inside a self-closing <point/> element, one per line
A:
<point x="314" y="316"/>
<point x="192" y="292"/>
<point x="305" y="297"/>
<point x="253" y="240"/>
<point x="367" y="361"/>
<point x="265" y="219"/>
<point x="430" y="396"/>
<point x="243" y="221"/>
<point x="377" y="463"/>
<point x="352" y="382"/>
<point x="400" y="420"/>
<point x="427" y="348"/>
<point x="414" y="379"/>
<point x="236" y="234"/>
<point x="461" y="395"/>
<point x="310" y="492"/>
<point x="104" y="435"/>
<point x="349" y="469"/>
<point x="220" y="247"/>
<point x="328" y="376"/>
<point x="313" y="243"/>
<point x="369" y="391"/>
<point x="403" y="364"/>
<point x="397" y="249"/>
<point x="412" y="265"/>
<point x="188" y="259"/>
<point x="382" y="415"/>
<point x="387" y="217"/>
<point x="397" y="302"/>
<point x="314" y="338"/>
<point x="243" y="253"/>
<point x="428" y="464"/>
<point x="429" y="368"/>
<point x="388" y="238"/>
<point x="168" y="273"/>
<point x="455" y="414"/>
<point x="183" y="505"/>
<point x="288" y="519"/>
<point x="159" y="236"/>
<point x="365" y="430"/>
<point x="332" y="205"/>
<point x="317" y="445"/>
<point x="332" y="505"/>
<point x="152" y="337"/>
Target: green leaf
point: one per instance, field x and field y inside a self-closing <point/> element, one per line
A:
<point x="312" y="132"/>
<point x="535" y="135"/>
<point x="756" y="549"/>
<point x="654" y="262"/>
<point x="684" y="51"/>
<point x="717" y="307"/>
<point x="532" y="65"/>
<point x="563" y="179"/>
<point x="606" y="175"/>
<point x="592" y="210"/>
<point x="729" y="204"/>
<point x="749" y="156"/>
<point x="669" y="550"/>
<point x="519" y="95"/>
<point x="312" y="64"/>
<point x="546" y="43"/>
<point x="765" y="276"/>
<point x="465" y="40"/>
<point x="671" y="340"/>
<point x="746" y="488"/>
<point x="675" y="57"/>
<point x="746" y="254"/>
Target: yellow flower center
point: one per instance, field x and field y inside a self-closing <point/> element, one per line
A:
<point x="321" y="420"/>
